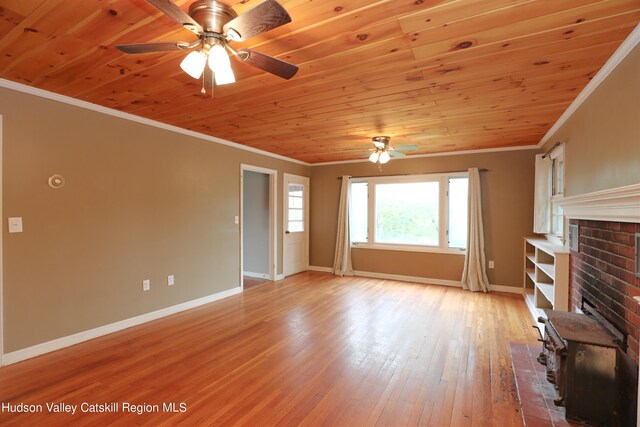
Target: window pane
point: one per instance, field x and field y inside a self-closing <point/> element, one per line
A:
<point x="296" y="190"/>
<point x="557" y="221"/>
<point x="407" y="213"/>
<point x="295" y="202"/>
<point x="295" y="214"/>
<point x="458" y="201"/>
<point x="560" y="177"/>
<point x="358" y="216"/>
<point x="296" y="226"/>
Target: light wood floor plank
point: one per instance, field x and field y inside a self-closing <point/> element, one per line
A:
<point x="312" y="350"/>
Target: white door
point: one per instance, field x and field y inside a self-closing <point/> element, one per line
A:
<point x="296" y="224"/>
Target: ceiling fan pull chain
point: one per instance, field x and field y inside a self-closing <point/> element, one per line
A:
<point x="202" y="91"/>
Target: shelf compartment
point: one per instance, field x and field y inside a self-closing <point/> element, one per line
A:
<point x="547" y="290"/>
<point x="548" y="269"/>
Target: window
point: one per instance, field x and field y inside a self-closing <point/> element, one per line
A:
<point x="421" y="213"/>
<point x="296" y="208"/>
<point x="557" y="191"/>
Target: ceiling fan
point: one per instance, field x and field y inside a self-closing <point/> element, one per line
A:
<point x="382" y="151"/>
<point x="217" y="25"/>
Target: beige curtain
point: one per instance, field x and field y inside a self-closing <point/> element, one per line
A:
<point x="542" y="196"/>
<point x="474" y="275"/>
<point x="342" y="260"/>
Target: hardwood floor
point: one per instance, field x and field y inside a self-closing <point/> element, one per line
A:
<point x="313" y="349"/>
<point x="252" y="282"/>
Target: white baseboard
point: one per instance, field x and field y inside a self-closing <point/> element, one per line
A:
<point x="506" y="289"/>
<point x="57" y="344"/>
<point x="322" y="269"/>
<point x="414" y="279"/>
<point x="279" y="277"/>
<point x="255" y="275"/>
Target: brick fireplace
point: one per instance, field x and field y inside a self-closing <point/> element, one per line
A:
<point x="603" y="272"/>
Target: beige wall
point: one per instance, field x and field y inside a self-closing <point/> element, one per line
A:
<point x="139" y="203"/>
<point x="507" y="208"/>
<point x="602" y="137"/>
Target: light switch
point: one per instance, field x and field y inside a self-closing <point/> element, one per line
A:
<point x="15" y="225"/>
<point x="491" y="264"/>
<point x="146" y="285"/>
<point x="236" y="220"/>
<point x="170" y="280"/>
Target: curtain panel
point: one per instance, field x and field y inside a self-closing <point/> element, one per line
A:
<point x="342" y="259"/>
<point x="474" y="276"/>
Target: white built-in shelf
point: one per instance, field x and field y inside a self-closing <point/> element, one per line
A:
<point x="546" y="276"/>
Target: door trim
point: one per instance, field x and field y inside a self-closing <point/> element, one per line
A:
<point x="307" y="182"/>
<point x="273" y="214"/>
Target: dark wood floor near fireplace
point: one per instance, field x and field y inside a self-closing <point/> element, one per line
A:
<point x="313" y="349"/>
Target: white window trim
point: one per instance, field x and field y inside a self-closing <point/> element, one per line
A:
<point x="443" y="212"/>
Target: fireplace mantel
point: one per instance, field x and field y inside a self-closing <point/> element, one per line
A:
<point x="617" y="204"/>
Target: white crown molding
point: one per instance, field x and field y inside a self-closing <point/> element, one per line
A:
<point x="616" y="204"/>
<point x="57" y="344"/>
<point x="448" y="153"/>
<point x="7" y="84"/>
<point x="625" y="48"/>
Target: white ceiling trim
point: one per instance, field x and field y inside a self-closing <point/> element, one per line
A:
<point x="625" y="48"/>
<point x="112" y="112"/>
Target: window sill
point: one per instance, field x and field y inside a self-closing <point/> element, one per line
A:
<point x="408" y="248"/>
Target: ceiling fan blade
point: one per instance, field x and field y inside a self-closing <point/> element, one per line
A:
<point x="170" y="9"/>
<point x="396" y="154"/>
<point x="406" y="147"/>
<point x="264" y="17"/>
<point x="267" y="63"/>
<point x="151" y="47"/>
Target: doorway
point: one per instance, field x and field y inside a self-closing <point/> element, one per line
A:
<point x="257" y="223"/>
<point x="296" y="224"/>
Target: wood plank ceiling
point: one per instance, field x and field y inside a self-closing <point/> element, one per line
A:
<point x="446" y="75"/>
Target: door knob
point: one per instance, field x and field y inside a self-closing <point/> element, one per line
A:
<point x="287" y="232"/>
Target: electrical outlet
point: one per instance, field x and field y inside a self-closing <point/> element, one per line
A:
<point x="15" y="225"/>
<point x="236" y="219"/>
<point x="146" y="285"/>
<point x="170" y="280"/>
<point x="491" y="264"/>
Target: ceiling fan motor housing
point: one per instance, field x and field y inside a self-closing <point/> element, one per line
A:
<point x="211" y="15"/>
<point x="382" y="139"/>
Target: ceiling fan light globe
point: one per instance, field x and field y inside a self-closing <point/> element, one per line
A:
<point x="384" y="157"/>
<point x="374" y="157"/>
<point x="193" y="64"/>
<point x="218" y="59"/>
<point x="225" y="76"/>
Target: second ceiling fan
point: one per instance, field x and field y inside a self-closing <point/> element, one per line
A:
<point x="382" y="151"/>
<point x="217" y="25"/>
